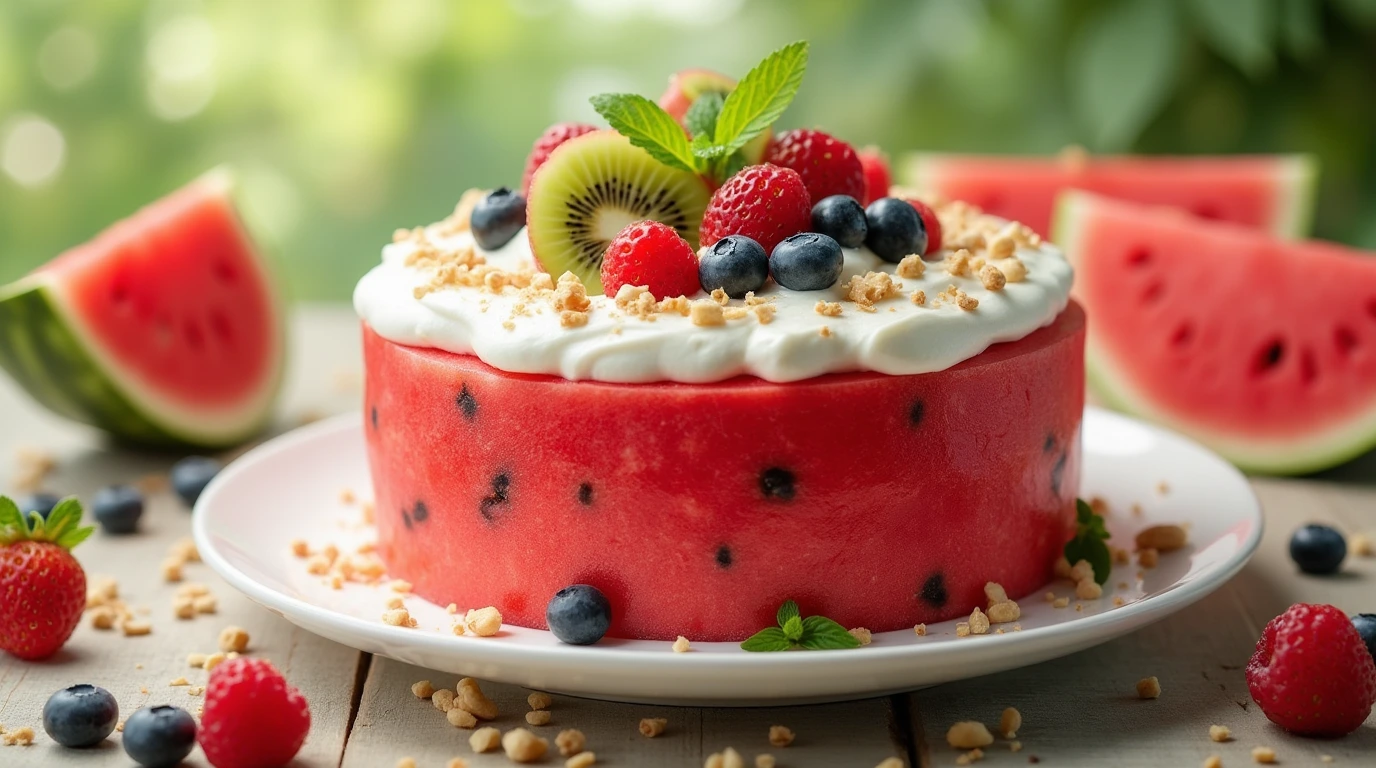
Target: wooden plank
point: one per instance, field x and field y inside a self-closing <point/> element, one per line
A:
<point x="137" y="670"/>
<point x="392" y="723"/>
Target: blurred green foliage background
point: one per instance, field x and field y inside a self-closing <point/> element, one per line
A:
<point x="347" y="119"/>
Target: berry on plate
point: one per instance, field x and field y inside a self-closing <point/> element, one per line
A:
<point x="80" y="716"/>
<point x="43" y="586"/>
<point x="548" y="142"/>
<point x="807" y="262"/>
<point x="1311" y="674"/>
<point x="766" y="203"/>
<point x="653" y="255"/>
<point x="497" y="218"/>
<point x="735" y="264"/>
<point x="117" y="508"/>
<point x="895" y="229"/>
<point x="159" y="737"/>
<point x="842" y="219"/>
<point x="191" y="475"/>
<point x="1317" y="549"/>
<point x="252" y="718"/>
<point x="828" y="165"/>
<point x="930" y="223"/>
<point x="579" y="614"/>
<point x="877" y="176"/>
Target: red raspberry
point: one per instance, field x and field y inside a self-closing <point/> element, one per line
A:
<point x="828" y="165"/>
<point x="877" y="176"/>
<point x="1311" y="673"/>
<point x="252" y="718"/>
<point x="550" y="140"/>
<point x="651" y="254"/>
<point x="930" y="221"/>
<point x="765" y="203"/>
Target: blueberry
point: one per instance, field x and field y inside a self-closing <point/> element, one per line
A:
<point x="842" y="218"/>
<point x="579" y="615"/>
<point x="80" y="716"/>
<point x="191" y="475"/>
<point x="736" y="264"/>
<point x="42" y="503"/>
<point x="1366" y="627"/>
<point x="807" y="262"/>
<point x="896" y="230"/>
<point x="1317" y="549"/>
<point x="159" y="737"/>
<point x="497" y="218"/>
<point x="118" y="508"/>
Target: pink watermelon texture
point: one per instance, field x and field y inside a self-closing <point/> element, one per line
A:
<point x="1270" y="193"/>
<point x="879" y="501"/>
<point x="1261" y="348"/>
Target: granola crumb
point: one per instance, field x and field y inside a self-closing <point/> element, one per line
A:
<point x="1014" y="271"/>
<point x="1148" y="688"/>
<point x="1060" y="602"/>
<point x="994" y="593"/>
<point x="484" y="739"/>
<point x="178" y="681"/>
<point x="472" y="699"/>
<point x="1010" y="722"/>
<point x="400" y="585"/>
<point x="422" y="689"/>
<point x="213" y="660"/>
<point x="862" y="634"/>
<point x="1015" y="746"/>
<point x="406" y="762"/>
<point x="1088" y="589"/>
<point x="581" y="760"/>
<point x="135" y="628"/>
<point x="539" y="700"/>
<point x="1004" y="612"/>
<point x="992" y="278"/>
<point x="233" y="639"/>
<point x="970" y="757"/>
<point x="171" y="569"/>
<point x="443" y="699"/>
<point x="1162" y="538"/>
<point x="968" y="734"/>
<point x="538" y="717"/>
<point x="828" y="308"/>
<point x="706" y="313"/>
<point x="1062" y="568"/>
<point x="1081" y="571"/>
<point x="462" y="718"/>
<point x="398" y="617"/>
<point x="979" y="623"/>
<point x="963" y="629"/>
<point x="919" y="298"/>
<point x="21" y="736"/>
<point x="1220" y="733"/>
<point x="727" y="758"/>
<point x="681" y="645"/>
<point x="825" y="332"/>
<point x="781" y="735"/>
<point x="570" y="742"/>
<point x="651" y="727"/>
<point x="300" y="548"/>
<point x="1362" y="545"/>
<point x="195" y="660"/>
<point x="1212" y="761"/>
<point x="920" y="630"/>
<point x="871" y="289"/>
<point x="911" y="267"/>
<point x="1264" y="755"/>
<point x="483" y="622"/>
<point x="958" y="263"/>
<point x="765" y="760"/>
<point x="1147" y="558"/>
<point x="764" y="313"/>
<point x="522" y="746"/>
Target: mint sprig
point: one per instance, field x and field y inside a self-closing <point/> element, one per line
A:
<point x="720" y="127"/>
<point x="1089" y="542"/>
<point x="814" y="633"/>
<point x="62" y="527"/>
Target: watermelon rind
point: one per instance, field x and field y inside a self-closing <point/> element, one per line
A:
<point x="46" y="350"/>
<point x="1296" y="182"/>
<point x="1282" y="456"/>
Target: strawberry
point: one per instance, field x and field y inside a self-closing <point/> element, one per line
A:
<point x="929" y="222"/>
<point x="828" y="165"/>
<point x="877" y="176"/>
<point x="1311" y="673"/>
<point x="252" y="718"/>
<point x="765" y="203"/>
<point x="650" y="254"/>
<point x="549" y="141"/>
<point x="42" y="587"/>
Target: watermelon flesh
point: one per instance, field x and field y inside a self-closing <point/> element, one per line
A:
<point x="1261" y="348"/>
<point x="161" y="330"/>
<point x="1270" y="193"/>
<point x="879" y="501"/>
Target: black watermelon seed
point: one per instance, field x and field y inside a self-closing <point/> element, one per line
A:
<point x="585" y="494"/>
<point x="934" y="590"/>
<point x="1050" y="443"/>
<point x="916" y="413"/>
<point x="723" y="556"/>
<point x="1057" y="470"/>
<point x="406" y="518"/>
<point x="467" y="403"/>
<point x="375" y="417"/>
<point x="488" y="507"/>
<point x="777" y="483"/>
<point x="420" y="513"/>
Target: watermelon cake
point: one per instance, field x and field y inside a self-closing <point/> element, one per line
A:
<point x="698" y="389"/>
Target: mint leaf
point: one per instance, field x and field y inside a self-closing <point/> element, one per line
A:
<point x="793" y="629"/>
<point x="789" y="610"/>
<point x="704" y="149"/>
<point x="702" y="115"/>
<point x="823" y="634"/>
<point x="647" y="126"/>
<point x="1089" y="542"/>
<point x="767" y="639"/>
<point x="761" y="97"/>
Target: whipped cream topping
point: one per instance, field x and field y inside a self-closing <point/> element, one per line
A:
<point x="510" y="330"/>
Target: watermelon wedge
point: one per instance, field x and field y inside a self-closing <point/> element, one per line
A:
<point x="163" y="330"/>
<point x="1272" y="193"/>
<point x="1261" y="348"/>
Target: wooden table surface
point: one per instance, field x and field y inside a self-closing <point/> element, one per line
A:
<point x="1078" y="711"/>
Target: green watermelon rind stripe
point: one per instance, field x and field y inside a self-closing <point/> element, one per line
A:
<point x="40" y="350"/>
<point x="1283" y="456"/>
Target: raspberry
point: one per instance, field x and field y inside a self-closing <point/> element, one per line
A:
<point x="877" y="176"/>
<point x="1311" y="673"/>
<point x="765" y="203"/>
<point x="651" y="254"/>
<point x="828" y="165"/>
<point x="252" y="718"/>
<point x="550" y="140"/>
<point x="930" y="222"/>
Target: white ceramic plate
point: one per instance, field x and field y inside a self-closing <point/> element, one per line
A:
<point x="289" y="488"/>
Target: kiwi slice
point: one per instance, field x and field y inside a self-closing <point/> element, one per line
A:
<point x="591" y="188"/>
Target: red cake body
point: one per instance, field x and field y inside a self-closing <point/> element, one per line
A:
<point x="880" y="501"/>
